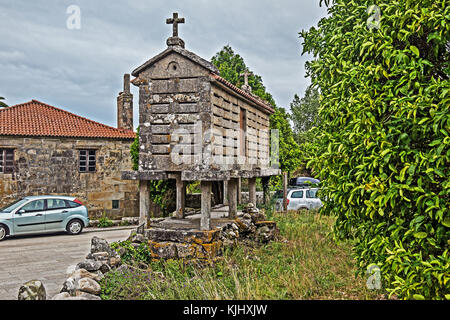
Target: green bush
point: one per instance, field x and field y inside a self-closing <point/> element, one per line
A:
<point x="105" y="222"/>
<point x="383" y="141"/>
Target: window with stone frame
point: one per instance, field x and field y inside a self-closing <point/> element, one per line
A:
<point x="6" y="160"/>
<point x="87" y="161"/>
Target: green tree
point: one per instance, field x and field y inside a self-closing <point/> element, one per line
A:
<point x="231" y="65"/>
<point x="383" y="142"/>
<point x="2" y="104"/>
<point x="305" y="114"/>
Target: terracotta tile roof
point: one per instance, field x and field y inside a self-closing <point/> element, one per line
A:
<point x="261" y="103"/>
<point x="35" y="118"/>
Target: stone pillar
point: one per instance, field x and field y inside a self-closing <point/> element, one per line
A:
<point x="266" y="195"/>
<point x="252" y="190"/>
<point x="181" y="196"/>
<point x="144" y="201"/>
<point x="225" y="193"/>
<point x="205" y="220"/>
<point x="232" y="198"/>
<point x="239" y="191"/>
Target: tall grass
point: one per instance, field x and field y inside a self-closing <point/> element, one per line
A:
<point x="304" y="264"/>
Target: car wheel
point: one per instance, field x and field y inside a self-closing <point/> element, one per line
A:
<point x="74" y="227"/>
<point x="3" y="232"/>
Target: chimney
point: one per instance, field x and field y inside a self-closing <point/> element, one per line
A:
<point x="125" y="106"/>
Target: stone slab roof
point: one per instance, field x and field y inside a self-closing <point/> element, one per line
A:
<point x="36" y="118"/>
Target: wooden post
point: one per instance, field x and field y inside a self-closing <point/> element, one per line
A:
<point x="265" y="185"/>
<point x="181" y="197"/>
<point x="252" y="191"/>
<point x="232" y="198"/>
<point x="144" y="201"/>
<point x="205" y="221"/>
<point x="285" y="182"/>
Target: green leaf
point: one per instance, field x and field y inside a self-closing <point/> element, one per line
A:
<point x="418" y="297"/>
<point x="414" y="50"/>
<point x="446" y="222"/>
<point x="420" y="235"/>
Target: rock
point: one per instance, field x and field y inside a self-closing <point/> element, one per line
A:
<point x="122" y="251"/>
<point x="142" y="265"/>
<point x="105" y="268"/>
<point x="32" y="290"/>
<point x="83" y="273"/>
<point x="61" y="296"/>
<point x="90" y="286"/>
<point x="86" y="296"/>
<point x="101" y="245"/>
<point x="90" y="265"/>
<point x="114" y="262"/>
<point x="70" y="285"/>
<point x="138" y="238"/>
<point x="98" y="256"/>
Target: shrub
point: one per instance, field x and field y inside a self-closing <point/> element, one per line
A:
<point x="383" y="141"/>
<point x="105" y="222"/>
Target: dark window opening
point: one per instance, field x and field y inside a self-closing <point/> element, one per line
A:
<point x="6" y="160"/>
<point x="87" y="161"/>
<point x="115" y="204"/>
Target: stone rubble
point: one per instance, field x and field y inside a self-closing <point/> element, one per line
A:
<point x="193" y="245"/>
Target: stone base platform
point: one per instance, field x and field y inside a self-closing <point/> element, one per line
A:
<point x="174" y="238"/>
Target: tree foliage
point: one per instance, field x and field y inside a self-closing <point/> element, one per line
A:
<point x="2" y="104"/>
<point x="383" y="141"/>
<point x="305" y="114"/>
<point x="231" y="65"/>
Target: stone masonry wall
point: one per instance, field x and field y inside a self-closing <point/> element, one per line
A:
<point x="50" y="166"/>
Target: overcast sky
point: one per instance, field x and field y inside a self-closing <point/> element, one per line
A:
<point x="81" y="70"/>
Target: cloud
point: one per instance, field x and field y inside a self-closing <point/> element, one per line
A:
<point x="81" y="70"/>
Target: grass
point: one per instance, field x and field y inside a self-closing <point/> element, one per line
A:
<point x="304" y="264"/>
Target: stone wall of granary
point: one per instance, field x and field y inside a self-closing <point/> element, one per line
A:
<point x="50" y="166"/>
<point x="174" y="110"/>
<point x="228" y="117"/>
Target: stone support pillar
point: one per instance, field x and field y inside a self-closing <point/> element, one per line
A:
<point x="225" y="193"/>
<point x="239" y="191"/>
<point x="205" y="220"/>
<point x="232" y="198"/>
<point x="144" y="201"/>
<point x="181" y="197"/>
<point x="266" y="195"/>
<point x="252" y="190"/>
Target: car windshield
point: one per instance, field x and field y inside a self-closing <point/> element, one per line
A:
<point x="9" y="208"/>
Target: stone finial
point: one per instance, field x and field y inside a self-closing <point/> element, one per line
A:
<point x="126" y="83"/>
<point x="175" y="40"/>
<point x="246" y="86"/>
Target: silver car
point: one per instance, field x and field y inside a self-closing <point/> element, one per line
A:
<point x="298" y="199"/>
<point x="43" y="214"/>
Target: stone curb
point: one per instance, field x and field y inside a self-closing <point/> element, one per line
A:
<point x="93" y="229"/>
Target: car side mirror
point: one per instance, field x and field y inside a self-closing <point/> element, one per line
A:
<point x="21" y="211"/>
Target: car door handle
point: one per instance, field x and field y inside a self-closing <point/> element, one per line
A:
<point x="39" y="215"/>
<point x="65" y="211"/>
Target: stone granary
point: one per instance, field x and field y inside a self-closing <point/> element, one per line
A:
<point x="196" y="126"/>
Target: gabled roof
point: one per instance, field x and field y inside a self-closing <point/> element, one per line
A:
<point x="188" y="54"/>
<point x="35" y="118"/>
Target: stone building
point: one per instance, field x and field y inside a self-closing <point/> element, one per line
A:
<point x="47" y="150"/>
<point x="196" y="126"/>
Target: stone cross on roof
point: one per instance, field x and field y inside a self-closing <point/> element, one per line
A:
<point x="246" y="86"/>
<point x="175" y="21"/>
